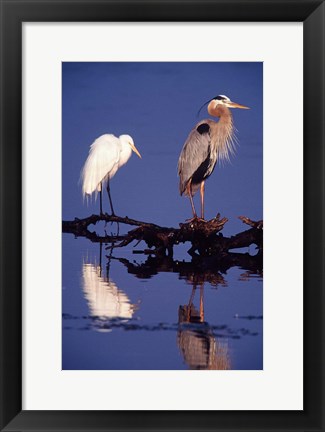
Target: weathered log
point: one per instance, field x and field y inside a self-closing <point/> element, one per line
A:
<point x="204" y="236"/>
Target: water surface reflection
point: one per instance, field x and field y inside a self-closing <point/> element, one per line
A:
<point x="186" y="319"/>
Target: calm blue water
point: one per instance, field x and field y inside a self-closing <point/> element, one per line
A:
<point x="128" y="311"/>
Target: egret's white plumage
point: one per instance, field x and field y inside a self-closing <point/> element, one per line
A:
<point x="106" y="155"/>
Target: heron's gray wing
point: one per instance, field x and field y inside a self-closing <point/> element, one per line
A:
<point x="195" y="152"/>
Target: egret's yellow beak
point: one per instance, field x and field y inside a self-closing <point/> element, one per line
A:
<point x="236" y="105"/>
<point x="133" y="147"/>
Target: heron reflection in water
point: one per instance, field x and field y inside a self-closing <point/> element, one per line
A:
<point x="105" y="300"/>
<point x="197" y="343"/>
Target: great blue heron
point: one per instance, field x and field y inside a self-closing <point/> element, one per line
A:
<point x="206" y="144"/>
<point x="106" y="155"/>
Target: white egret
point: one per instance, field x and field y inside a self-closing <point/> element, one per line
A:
<point x="106" y="155"/>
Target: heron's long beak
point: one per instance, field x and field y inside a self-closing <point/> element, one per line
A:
<point x="236" y="105"/>
<point x="133" y="147"/>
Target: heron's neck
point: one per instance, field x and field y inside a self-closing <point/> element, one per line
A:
<point x="218" y="110"/>
<point x="223" y="133"/>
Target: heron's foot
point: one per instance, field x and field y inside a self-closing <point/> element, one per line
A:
<point x="195" y="219"/>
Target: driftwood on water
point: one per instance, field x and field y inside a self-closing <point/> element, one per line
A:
<point x="204" y="236"/>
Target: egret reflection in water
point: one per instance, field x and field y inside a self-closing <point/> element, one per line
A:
<point x="198" y="345"/>
<point x="105" y="300"/>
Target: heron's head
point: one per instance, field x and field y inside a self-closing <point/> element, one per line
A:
<point x="224" y="100"/>
<point x="127" y="139"/>
<point x="219" y="101"/>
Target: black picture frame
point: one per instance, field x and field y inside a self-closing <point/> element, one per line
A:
<point x="13" y="14"/>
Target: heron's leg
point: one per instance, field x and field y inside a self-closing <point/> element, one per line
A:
<point x="109" y="197"/>
<point x="190" y="304"/>
<point x="201" y="303"/>
<point x="189" y="192"/>
<point x="100" y="199"/>
<point x="202" y="199"/>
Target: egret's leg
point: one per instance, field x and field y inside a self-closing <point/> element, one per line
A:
<point x="109" y="263"/>
<point x="100" y="199"/>
<point x="189" y="192"/>
<point x="202" y="200"/>
<point x="100" y="258"/>
<point x="109" y="197"/>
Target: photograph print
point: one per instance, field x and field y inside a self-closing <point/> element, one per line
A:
<point x="162" y="215"/>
